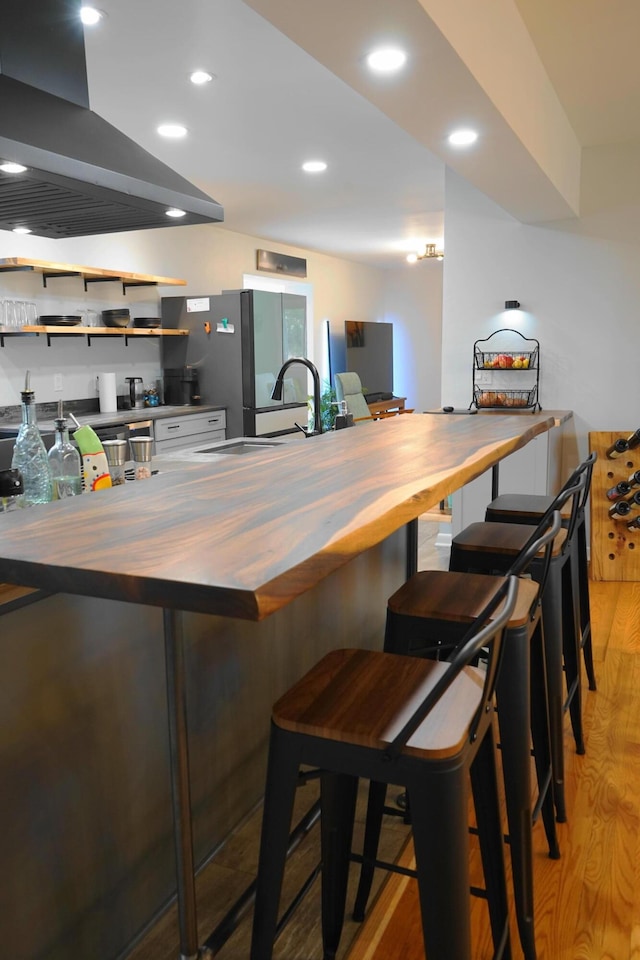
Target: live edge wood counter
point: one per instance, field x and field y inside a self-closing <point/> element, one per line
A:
<point x="262" y="563"/>
<point x="245" y="535"/>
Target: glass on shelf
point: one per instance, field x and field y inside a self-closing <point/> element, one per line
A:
<point x="10" y="314"/>
<point x="31" y="312"/>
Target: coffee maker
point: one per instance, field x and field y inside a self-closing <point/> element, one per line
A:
<point x="181" y="387"/>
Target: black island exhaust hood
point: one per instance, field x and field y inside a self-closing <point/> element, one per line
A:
<point x="83" y="175"/>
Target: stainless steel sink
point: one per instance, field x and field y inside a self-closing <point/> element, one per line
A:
<point x="241" y="447"/>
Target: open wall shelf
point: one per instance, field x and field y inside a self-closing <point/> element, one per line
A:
<point x="32" y="330"/>
<point x="50" y="271"/>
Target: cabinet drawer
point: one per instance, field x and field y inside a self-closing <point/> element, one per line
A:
<point x="189" y="425"/>
<point x="200" y="439"/>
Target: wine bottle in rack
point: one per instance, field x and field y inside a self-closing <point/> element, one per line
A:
<point x="634" y="500"/>
<point x="634" y="439"/>
<point x="621" y="489"/>
<point x="617" y="448"/>
<point x="634" y="479"/>
<point x="620" y="509"/>
<point x="634" y="524"/>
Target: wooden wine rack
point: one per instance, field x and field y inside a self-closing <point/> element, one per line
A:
<point x="615" y="550"/>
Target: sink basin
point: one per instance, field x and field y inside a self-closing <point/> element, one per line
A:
<point x="241" y="447"/>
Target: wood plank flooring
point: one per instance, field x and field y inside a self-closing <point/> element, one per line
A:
<point x="587" y="903"/>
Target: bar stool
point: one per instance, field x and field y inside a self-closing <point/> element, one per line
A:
<point x="491" y="548"/>
<point x="422" y="724"/>
<point x="426" y="617"/>
<point x="529" y="508"/>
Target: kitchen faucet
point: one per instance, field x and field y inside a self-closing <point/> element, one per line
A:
<point x="277" y="392"/>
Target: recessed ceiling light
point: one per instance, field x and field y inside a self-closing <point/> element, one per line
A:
<point x="21" y="230"/>
<point x="314" y="166"/>
<point x="412" y="258"/>
<point x="174" y="212"/>
<point x="172" y="130"/>
<point x="10" y="167"/>
<point x="201" y="76"/>
<point x="90" y="16"/>
<point x="462" y="138"/>
<point x="386" y="59"/>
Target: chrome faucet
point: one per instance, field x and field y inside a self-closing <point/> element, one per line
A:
<point x="277" y="392"/>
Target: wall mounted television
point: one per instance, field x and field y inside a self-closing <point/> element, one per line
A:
<point x="366" y="348"/>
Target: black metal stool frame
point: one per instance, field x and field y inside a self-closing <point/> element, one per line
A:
<point x="520" y="514"/>
<point x="438" y="793"/>
<point x="519" y="710"/>
<point x="560" y="620"/>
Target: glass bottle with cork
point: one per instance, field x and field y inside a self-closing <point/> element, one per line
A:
<point x="29" y="453"/>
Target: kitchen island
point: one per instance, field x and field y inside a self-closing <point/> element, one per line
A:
<point x="275" y="557"/>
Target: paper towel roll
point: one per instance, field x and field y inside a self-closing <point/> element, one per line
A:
<point x="107" y="392"/>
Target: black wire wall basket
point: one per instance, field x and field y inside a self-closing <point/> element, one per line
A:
<point x="506" y="372"/>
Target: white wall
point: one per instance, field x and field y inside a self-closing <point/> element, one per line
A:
<point x="413" y="303"/>
<point x="210" y="259"/>
<point x="579" y="297"/>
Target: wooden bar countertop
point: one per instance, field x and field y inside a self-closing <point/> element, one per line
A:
<point x="244" y="535"/>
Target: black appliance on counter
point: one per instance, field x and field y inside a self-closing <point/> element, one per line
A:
<point x="182" y="387"/>
<point x="237" y="343"/>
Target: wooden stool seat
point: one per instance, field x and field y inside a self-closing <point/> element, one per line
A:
<point x="459" y="597"/>
<point x="365" y="697"/>
<point x="530" y="505"/>
<point x="506" y="539"/>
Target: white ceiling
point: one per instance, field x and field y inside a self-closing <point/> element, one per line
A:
<point x="277" y="101"/>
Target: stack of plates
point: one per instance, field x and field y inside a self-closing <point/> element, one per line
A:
<point x="57" y="320"/>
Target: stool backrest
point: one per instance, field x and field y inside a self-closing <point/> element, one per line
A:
<point x="542" y="538"/>
<point x="575" y="493"/>
<point x="586" y="468"/>
<point x="532" y="547"/>
<point x="486" y="634"/>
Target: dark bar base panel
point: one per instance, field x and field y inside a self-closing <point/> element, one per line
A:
<point x="87" y="859"/>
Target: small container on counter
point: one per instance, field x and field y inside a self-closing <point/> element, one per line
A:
<point x="11" y="491"/>
<point x="141" y="453"/>
<point x="116" y="453"/>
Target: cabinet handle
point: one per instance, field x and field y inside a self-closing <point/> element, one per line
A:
<point x="215" y="420"/>
<point x="176" y="427"/>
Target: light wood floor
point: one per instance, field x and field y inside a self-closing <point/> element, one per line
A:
<point x="587" y="903"/>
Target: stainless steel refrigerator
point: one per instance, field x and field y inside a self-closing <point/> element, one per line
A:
<point x="237" y="342"/>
